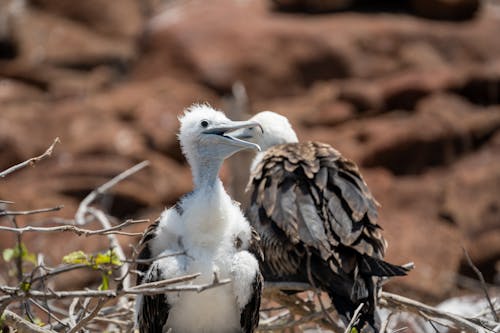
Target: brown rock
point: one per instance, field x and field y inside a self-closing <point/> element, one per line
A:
<point x="399" y="142"/>
<point x="277" y="54"/>
<point x="252" y="36"/>
<point x="117" y="18"/>
<point x="474" y="184"/>
<point x="446" y="9"/>
<point x="414" y="231"/>
<point x="42" y="37"/>
<point x="363" y="95"/>
<point x="12" y="91"/>
<point x="153" y="107"/>
<point x="312" y="5"/>
<point x="330" y="114"/>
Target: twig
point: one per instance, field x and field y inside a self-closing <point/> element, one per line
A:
<point x="51" y="294"/>
<point x="6" y="202"/>
<point x="72" y="315"/>
<point x="354" y="318"/>
<point x="32" y="161"/>
<point x="114" y="244"/>
<point x="400" y="302"/>
<point x="157" y="284"/>
<point x="47" y="311"/>
<point x="83" y="208"/>
<point x="268" y="326"/>
<point x="295" y="305"/>
<point x="30" y="212"/>
<point x="21" y="325"/>
<point x="81" y="323"/>
<point x="385" y="324"/>
<point x="150" y="260"/>
<point x="483" y="284"/>
<point x="391" y="301"/>
<point x="72" y="228"/>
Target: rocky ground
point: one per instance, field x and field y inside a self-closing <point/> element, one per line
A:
<point x="415" y="102"/>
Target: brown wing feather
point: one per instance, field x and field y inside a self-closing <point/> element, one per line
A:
<point x="313" y="194"/>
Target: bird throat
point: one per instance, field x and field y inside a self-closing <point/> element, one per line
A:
<point x="206" y="173"/>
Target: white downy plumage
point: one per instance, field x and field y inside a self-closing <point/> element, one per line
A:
<point x="214" y="234"/>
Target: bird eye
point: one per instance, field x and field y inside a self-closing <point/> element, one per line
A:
<point x="204" y="123"/>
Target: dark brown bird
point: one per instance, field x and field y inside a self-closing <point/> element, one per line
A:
<point x="316" y="218"/>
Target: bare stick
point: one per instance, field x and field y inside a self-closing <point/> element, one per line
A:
<point x="73" y="228"/>
<point x="81" y="323"/>
<point x="162" y="283"/>
<point x="21" y="325"/>
<point x="83" y="208"/>
<point x="46" y="310"/>
<point x="51" y="294"/>
<point x="72" y="315"/>
<point x="32" y="161"/>
<point x="113" y="241"/>
<point x="483" y="284"/>
<point x="269" y="326"/>
<point x="30" y="212"/>
<point x="354" y="318"/>
<point x="150" y="260"/>
<point x="295" y="306"/>
<point x="403" y="303"/>
<point x="385" y="324"/>
<point x="392" y="301"/>
<point x="6" y="202"/>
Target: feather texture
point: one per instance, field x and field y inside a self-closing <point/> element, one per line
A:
<point x="308" y="198"/>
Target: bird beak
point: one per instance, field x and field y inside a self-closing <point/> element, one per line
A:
<point x="224" y="132"/>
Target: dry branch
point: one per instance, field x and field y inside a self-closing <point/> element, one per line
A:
<point x="72" y="228"/>
<point x="402" y="303"/>
<point x="392" y="302"/>
<point x="483" y="284"/>
<point x="21" y="325"/>
<point x="30" y="212"/>
<point x="32" y="161"/>
<point x="354" y="318"/>
<point x="83" y="209"/>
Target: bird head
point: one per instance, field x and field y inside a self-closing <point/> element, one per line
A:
<point x="206" y="133"/>
<point x="274" y="129"/>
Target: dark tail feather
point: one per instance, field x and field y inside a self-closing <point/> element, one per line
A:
<point x="368" y="320"/>
<point x="377" y="267"/>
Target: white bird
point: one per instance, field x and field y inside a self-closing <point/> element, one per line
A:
<point x="214" y="234"/>
<point x="316" y="218"/>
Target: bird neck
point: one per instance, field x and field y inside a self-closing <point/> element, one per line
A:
<point x="206" y="172"/>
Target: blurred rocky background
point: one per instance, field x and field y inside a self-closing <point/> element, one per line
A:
<point x="410" y="90"/>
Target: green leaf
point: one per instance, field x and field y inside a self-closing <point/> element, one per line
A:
<point x="105" y="282"/>
<point x="25" y="286"/>
<point x="27" y="255"/>
<point x="107" y="258"/>
<point x="17" y="251"/>
<point x="77" y="257"/>
<point x="8" y="254"/>
<point x="354" y="330"/>
<point x="38" y="322"/>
